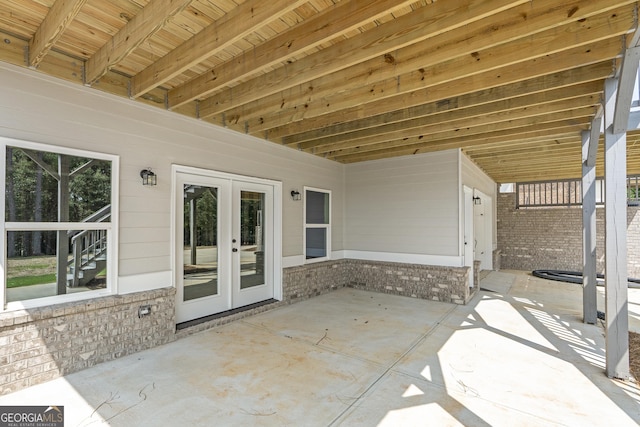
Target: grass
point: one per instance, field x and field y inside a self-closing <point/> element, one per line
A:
<point x="31" y="271"/>
<point x="38" y="270"/>
<point x="16" y="282"/>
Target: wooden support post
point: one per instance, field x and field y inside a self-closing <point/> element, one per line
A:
<point x="616" y="299"/>
<point x="62" y="247"/>
<point x="589" y="278"/>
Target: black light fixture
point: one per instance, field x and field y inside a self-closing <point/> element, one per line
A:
<point x="295" y="195"/>
<point x="148" y="177"/>
<point x="477" y="200"/>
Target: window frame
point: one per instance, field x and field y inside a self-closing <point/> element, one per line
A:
<point x="111" y="227"/>
<point x="306" y="226"/>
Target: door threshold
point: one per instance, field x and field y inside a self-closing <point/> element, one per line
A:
<point x="198" y="321"/>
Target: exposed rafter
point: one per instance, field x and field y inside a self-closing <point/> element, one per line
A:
<point x="141" y="27"/>
<point x="232" y="27"/>
<point x="512" y="83"/>
<point x="330" y="24"/>
<point x="407" y="30"/>
<point x="449" y="56"/>
<point x="54" y="24"/>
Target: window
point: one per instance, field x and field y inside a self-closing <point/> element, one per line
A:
<point x="57" y="239"/>
<point x="317" y="225"/>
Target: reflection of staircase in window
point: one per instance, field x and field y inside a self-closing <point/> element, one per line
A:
<point x="88" y="250"/>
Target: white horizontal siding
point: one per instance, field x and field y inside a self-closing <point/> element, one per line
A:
<point x="141" y="266"/>
<point x="143" y="234"/>
<point x="476" y="178"/>
<point x="407" y="205"/>
<point x="42" y="109"/>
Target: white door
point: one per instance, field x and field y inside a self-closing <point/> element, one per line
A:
<point x="224" y="244"/>
<point x="482" y="231"/>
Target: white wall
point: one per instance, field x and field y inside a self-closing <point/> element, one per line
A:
<point x="404" y="209"/>
<point x="484" y="187"/>
<point x="42" y="109"/>
<point x="476" y="178"/>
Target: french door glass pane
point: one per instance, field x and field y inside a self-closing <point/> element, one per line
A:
<point x="252" y="210"/>
<point x="200" y="232"/>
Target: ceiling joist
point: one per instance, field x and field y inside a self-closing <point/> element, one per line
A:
<point x="62" y="13"/>
<point x="504" y="81"/>
<point x="140" y="28"/>
<point x="240" y="22"/>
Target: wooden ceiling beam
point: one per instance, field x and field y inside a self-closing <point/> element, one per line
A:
<point x="547" y="86"/>
<point x="537" y="176"/>
<point x="551" y="163"/>
<point x="419" y="66"/>
<point x="566" y="109"/>
<point x="538" y="131"/>
<point x="151" y="19"/>
<point x="554" y="41"/>
<point x="547" y="145"/>
<point x="539" y="103"/>
<point x="525" y="164"/>
<point x="417" y="26"/>
<point x="505" y="168"/>
<point x="331" y="23"/>
<point x="241" y="21"/>
<point x="448" y="132"/>
<point x="60" y="16"/>
<point x="553" y="65"/>
<point x="415" y="146"/>
<point x="528" y="144"/>
<point x="540" y="152"/>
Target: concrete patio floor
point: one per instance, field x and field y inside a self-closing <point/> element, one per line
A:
<point x="518" y="354"/>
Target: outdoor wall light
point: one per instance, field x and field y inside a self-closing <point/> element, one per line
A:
<point x="148" y="177"/>
<point x="295" y="195"/>
<point x="477" y="200"/>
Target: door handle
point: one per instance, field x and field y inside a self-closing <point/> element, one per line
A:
<point x="234" y="250"/>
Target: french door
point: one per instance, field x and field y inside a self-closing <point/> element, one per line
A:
<point x="224" y="244"/>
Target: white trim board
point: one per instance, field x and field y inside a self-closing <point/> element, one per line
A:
<point x="145" y="282"/>
<point x="436" y="260"/>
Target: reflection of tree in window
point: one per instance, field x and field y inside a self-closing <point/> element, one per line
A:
<point x="204" y="201"/>
<point x="32" y="194"/>
<point x="249" y="218"/>
<point x="207" y="219"/>
<point x="45" y="188"/>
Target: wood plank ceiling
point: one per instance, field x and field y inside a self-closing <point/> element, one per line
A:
<point x="510" y="82"/>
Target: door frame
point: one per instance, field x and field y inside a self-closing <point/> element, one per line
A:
<point x="468" y="236"/>
<point x="239" y="295"/>
<point x="176" y="246"/>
